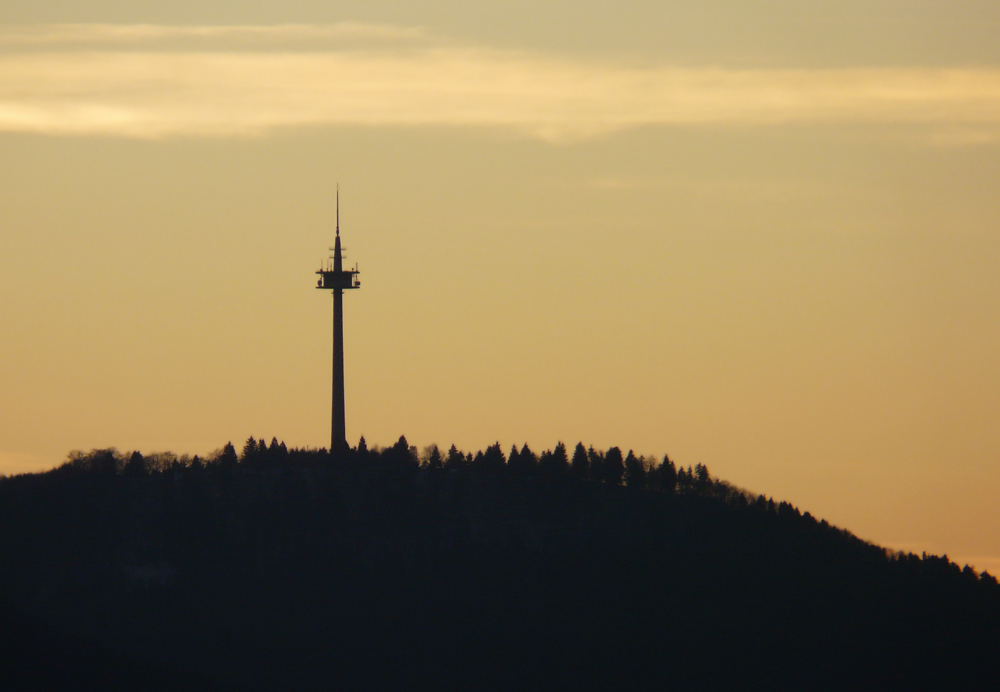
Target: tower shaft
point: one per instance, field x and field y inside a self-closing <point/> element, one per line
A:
<point x="338" y="426"/>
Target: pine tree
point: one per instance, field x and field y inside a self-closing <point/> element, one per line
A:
<point x="249" y="451"/>
<point x="579" y="466"/>
<point x="554" y="464"/>
<point x="434" y="458"/>
<point x="136" y="465"/>
<point x="274" y="451"/>
<point x="595" y="460"/>
<point x="513" y="459"/>
<point x="614" y="466"/>
<point x="524" y="462"/>
<point x="227" y="460"/>
<point x="635" y="471"/>
<point x="401" y="453"/>
<point x="493" y="459"/>
<point x="666" y="475"/>
<point x="455" y="458"/>
<point x="702" y="480"/>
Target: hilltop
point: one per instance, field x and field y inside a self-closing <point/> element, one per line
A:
<point x="371" y="569"/>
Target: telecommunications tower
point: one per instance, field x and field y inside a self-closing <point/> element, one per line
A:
<point x="334" y="277"/>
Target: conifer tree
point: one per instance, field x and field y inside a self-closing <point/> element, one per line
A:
<point x="528" y="459"/>
<point x="579" y="466"/>
<point x="614" y="466"/>
<point x="136" y="465"/>
<point x="554" y="464"/>
<point x="227" y="459"/>
<point x="560" y="458"/>
<point x="274" y="451"/>
<point x="595" y="460"/>
<point x="635" y="471"/>
<point x="401" y="453"/>
<point x="702" y="480"/>
<point x="522" y="463"/>
<point x="493" y="459"/>
<point x="455" y="458"/>
<point x="513" y="459"/>
<point x="249" y="450"/>
<point x="434" y="458"/>
<point x="666" y="475"/>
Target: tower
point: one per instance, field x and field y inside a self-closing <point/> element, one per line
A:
<point x="335" y="278"/>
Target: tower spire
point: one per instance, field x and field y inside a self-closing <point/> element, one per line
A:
<point x="338" y="210"/>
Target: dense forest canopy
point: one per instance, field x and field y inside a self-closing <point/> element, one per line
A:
<point x="368" y="568"/>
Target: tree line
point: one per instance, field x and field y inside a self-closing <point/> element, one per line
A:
<point x="609" y="467"/>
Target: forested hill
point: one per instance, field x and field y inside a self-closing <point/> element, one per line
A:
<point x="385" y="569"/>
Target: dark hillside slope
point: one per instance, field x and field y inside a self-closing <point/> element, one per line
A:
<point x="369" y="572"/>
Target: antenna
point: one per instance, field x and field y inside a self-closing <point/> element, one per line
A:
<point x="338" y="209"/>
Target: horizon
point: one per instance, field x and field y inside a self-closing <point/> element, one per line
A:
<point x="755" y="236"/>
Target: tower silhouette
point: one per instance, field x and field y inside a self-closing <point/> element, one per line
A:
<point x="334" y="277"/>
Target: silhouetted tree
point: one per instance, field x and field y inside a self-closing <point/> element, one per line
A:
<point x="635" y="471"/>
<point x="104" y="462"/>
<point x="159" y="462"/>
<point x="276" y="453"/>
<point x="228" y="459"/>
<point x="579" y="466"/>
<point x="702" y="480"/>
<point x="613" y="466"/>
<point x="249" y="451"/>
<point x="684" y="480"/>
<point x="525" y="462"/>
<point x="554" y="464"/>
<point x="493" y="459"/>
<point x="595" y="460"/>
<point x="455" y="459"/>
<point x="401" y="453"/>
<point x="666" y="475"/>
<point x="433" y="456"/>
<point x="136" y="465"/>
<point x="513" y="458"/>
<point x="361" y="453"/>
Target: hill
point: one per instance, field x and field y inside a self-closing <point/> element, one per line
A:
<point x="371" y="569"/>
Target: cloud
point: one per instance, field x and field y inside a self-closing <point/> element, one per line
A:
<point x="107" y="90"/>
<point x="123" y="35"/>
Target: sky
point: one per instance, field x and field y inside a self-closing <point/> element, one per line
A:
<point x="757" y="235"/>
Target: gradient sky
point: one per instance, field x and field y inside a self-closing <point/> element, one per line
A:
<point x="762" y="236"/>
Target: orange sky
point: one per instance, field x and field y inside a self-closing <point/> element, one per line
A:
<point x="765" y="245"/>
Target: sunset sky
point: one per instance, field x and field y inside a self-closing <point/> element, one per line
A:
<point x="759" y="235"/>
